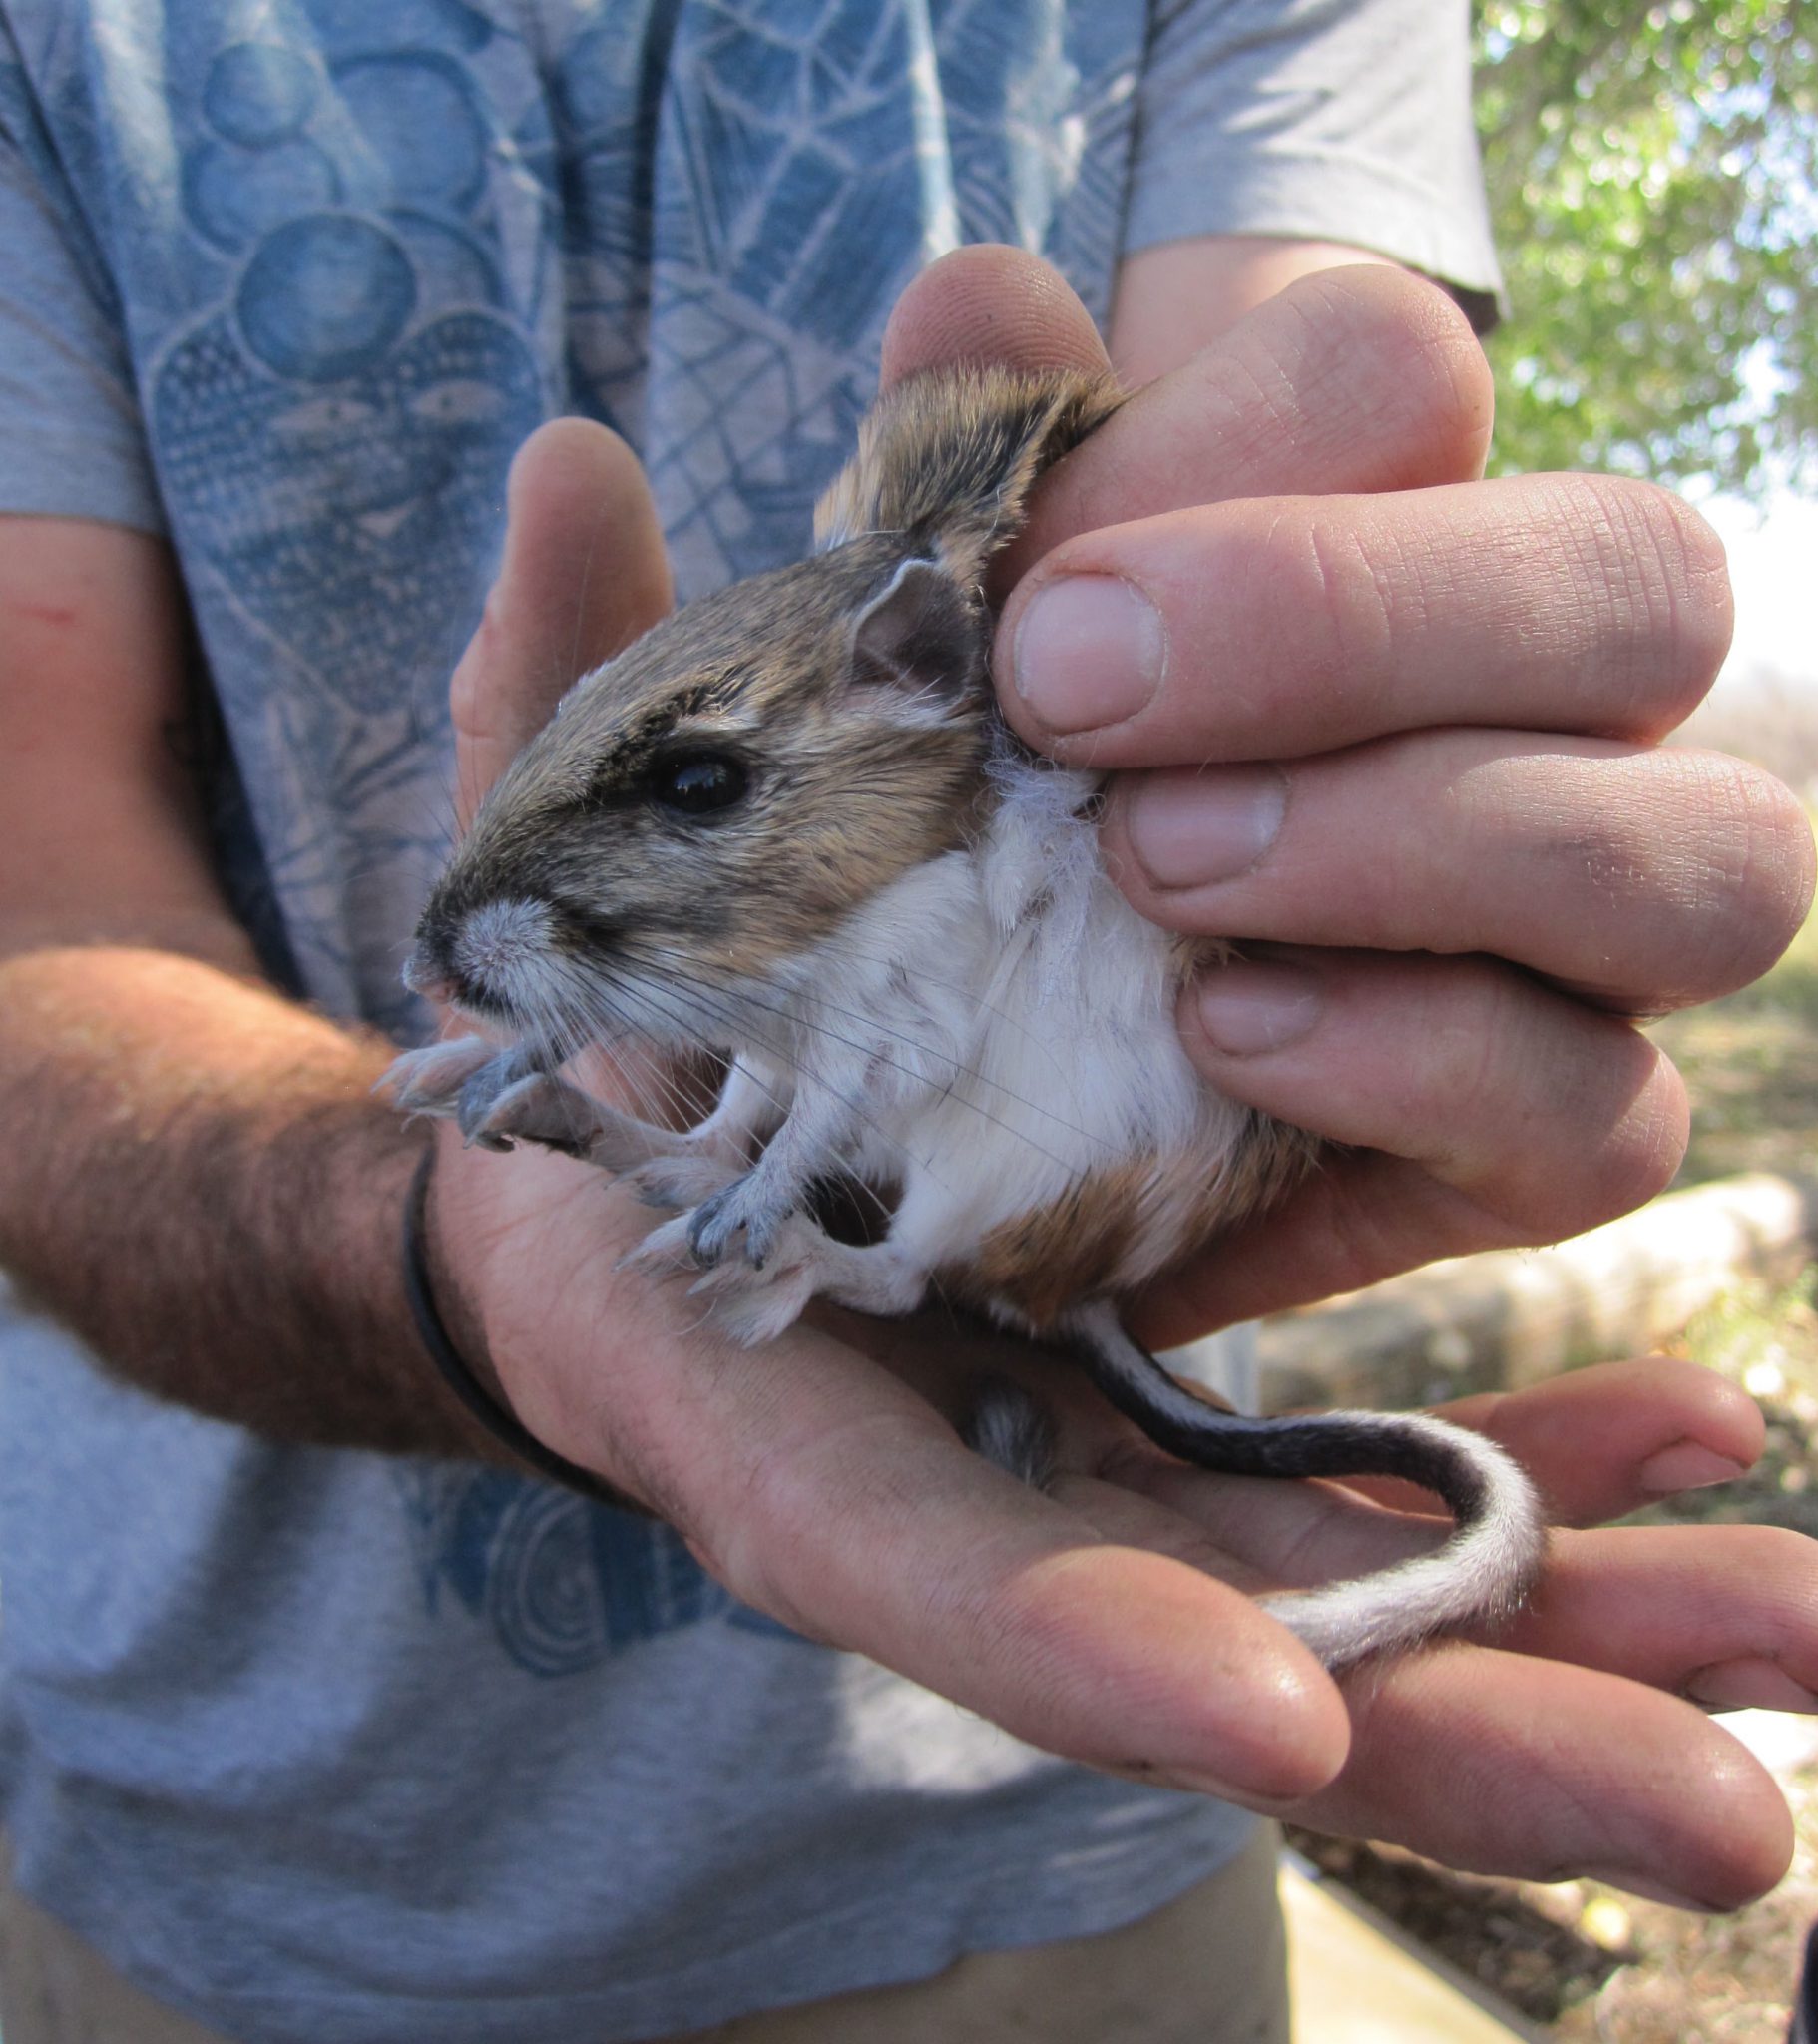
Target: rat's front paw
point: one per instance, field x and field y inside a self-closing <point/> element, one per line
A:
<point x="502" y="1097"/>
<point x="431" y="1080"/>
<point x="465" y="1079"/>
<point x="670" y="1184"/>
<point x="747" y="1203"/>
<point x="541" y="1108"/>
<point x="720" y="1202"/>
<point x="499" y="1102"/>
<point x="500" y="1108"/>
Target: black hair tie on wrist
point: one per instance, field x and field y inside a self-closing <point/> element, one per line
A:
<point x="481" y="1407"/>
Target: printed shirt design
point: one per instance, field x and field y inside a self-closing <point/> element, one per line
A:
<point x="358" y="252"/>
<point x="562" y="1582"/>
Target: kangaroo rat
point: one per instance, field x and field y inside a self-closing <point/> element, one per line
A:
<point x="789" y="825"/>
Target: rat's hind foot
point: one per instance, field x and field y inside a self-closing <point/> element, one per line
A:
<point x="461" y="1080"/>
<point x="755" y="1304"/>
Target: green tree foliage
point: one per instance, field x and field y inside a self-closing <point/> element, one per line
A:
<point x="1653" y="178"/>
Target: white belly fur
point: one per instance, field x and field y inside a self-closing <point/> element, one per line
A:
<point x="1023" y="1024"/>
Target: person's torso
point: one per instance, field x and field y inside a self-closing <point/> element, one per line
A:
<point x="364" y="1734"/>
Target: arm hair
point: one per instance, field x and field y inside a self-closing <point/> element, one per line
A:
<point x="195" y="1177"/>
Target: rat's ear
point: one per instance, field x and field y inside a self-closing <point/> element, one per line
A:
<point x="921" y="634"/>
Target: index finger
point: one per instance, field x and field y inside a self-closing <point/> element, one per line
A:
<point x="1359" y="378"/>
<point x="1356" y="379"/>
<point x="1282" y="626"/>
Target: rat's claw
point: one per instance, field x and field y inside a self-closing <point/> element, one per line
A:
<point x="761" y="1233"/>
<point x="727" y="1281"/>
<point x="429" y="1081"/>
<point x="711" y="1226"/>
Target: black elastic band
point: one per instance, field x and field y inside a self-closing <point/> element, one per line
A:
<point x="481" y="1405"/>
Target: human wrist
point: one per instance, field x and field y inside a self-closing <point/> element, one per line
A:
<point x="451" y="1335"/>
<point x="445" y="1297"/>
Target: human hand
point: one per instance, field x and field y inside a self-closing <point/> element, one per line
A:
<point x="821" y="1477"/>
<point x="1444" y="699"/>
<point x="1111" y="1619"/>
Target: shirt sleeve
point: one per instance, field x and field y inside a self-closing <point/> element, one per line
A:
<point x="1324" y="120"/>
<point x="71" y="437"/>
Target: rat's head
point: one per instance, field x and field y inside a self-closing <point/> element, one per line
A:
<point x="715" y="802"/>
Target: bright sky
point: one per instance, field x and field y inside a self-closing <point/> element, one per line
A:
<point x="1773" y="564"/>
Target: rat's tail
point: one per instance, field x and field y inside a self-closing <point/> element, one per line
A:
<point x="1483" y="1572"/>
<point x="947" y="459"/>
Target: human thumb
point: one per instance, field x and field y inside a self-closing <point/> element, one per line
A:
<point x="583" y="574"/>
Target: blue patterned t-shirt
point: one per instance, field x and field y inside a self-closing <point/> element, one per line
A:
<point x="320" y="1745"/>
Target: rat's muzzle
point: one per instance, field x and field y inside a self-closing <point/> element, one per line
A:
<point x="493" y="959"/>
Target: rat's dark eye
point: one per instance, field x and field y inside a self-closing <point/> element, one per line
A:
<point x="697" y="784"/>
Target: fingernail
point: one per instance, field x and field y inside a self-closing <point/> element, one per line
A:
<point x="1188" y="830"/>
<point x="1090" y="651"/>
<point x="1750" y="1684"/>
<point x="1196" y="1783"/>
<point x="1644" y="1886"/>
<point x="1687" y="1466"/>
<point x="1246" y="1007"/>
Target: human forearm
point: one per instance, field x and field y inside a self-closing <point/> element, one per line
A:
<point x="196" y="1180"/>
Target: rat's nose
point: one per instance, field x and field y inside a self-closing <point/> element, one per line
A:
<point x="427" y="975"/>
<point x="487" y="958"/>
